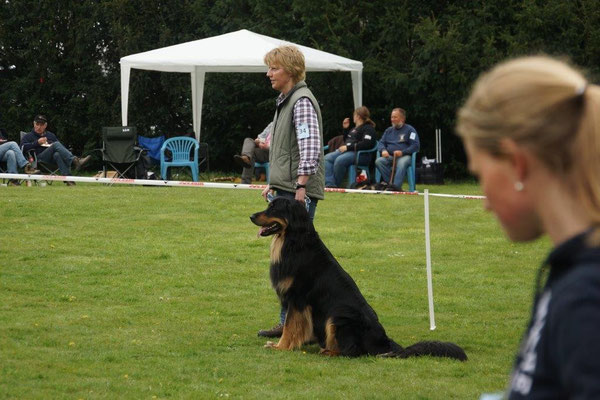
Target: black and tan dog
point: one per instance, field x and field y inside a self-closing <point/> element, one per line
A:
<point x="323" y="302"/>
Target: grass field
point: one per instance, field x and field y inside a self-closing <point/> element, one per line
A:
<point x="145" y="292"/>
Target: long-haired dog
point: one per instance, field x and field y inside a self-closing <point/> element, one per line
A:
<point x="323" y="302"/>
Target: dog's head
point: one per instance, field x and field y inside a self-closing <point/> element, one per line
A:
<point x="282" y="215"/>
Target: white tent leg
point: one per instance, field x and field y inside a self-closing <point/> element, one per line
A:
<point x="357" y="88"/>
<point x="125" y="72"/>
<point x="198" y="76"/>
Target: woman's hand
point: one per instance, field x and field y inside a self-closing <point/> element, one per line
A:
<point x="265" y="192"/>
<point x="300" y="193"/>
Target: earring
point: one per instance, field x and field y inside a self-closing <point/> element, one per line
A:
<point x="519" y="186"/>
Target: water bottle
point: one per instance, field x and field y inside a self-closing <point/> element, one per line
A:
<point x="307" y="202"/>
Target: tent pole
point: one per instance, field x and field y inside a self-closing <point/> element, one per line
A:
<point x="198" y="76"/>
<point x="125" y="72"/>
<point x="357" y="88"/>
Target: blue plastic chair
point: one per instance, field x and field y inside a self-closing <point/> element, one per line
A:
<point x="181" y="149"/>
<point x="410" y="172"/>
<point x="264" y="165"/>
<point x="352" y="168"/>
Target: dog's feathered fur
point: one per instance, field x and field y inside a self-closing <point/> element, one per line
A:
<point x="323" y="302"/>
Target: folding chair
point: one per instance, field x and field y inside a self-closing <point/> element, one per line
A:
<point x="151" y="150"/>
<point x="202" y="157"/>
<point x="44" y="167"/>
<point x="179" y="151"/>
<point x="119" y="150"/>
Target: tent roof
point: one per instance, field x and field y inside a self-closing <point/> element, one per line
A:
<point x="240" y="51"/>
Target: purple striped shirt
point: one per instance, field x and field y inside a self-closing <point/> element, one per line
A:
<point x="310" y="147"/>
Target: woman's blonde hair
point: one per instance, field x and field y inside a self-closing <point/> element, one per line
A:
<point x="290" y="58"/>
<point x="548" y="107"/>
<point x="364" y="114"/>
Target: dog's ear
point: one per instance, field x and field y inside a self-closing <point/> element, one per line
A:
<point x="298" y="216"/>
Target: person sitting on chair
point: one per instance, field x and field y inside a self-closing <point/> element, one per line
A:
<point x="361" y="137"/>
<point x="335" y="142"/>
<point x="397" y="144"/>
<point x="49" y="150"/>
<point x="11" y="154"/>
<point x="254" y="150"/>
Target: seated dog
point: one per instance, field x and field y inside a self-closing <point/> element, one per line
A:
<point x="323" y="302"/>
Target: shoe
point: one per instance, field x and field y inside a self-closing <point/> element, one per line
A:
<point x="381" y="186"/>
<point x="242" y="161"/>
<point x="28" y="169"/>
<point x="392" y="188"/>
<point x="275" y="331"/>
<point x="80" y="162"/>
<point x="14" y="182"/>
<point x="69" y="183"/>
<point x="246" y="181"/>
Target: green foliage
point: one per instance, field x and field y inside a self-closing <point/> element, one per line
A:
<point x="62" y="58"/>
<point x="136" y="292"/>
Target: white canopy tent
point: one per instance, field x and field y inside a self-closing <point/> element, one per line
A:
<point x="240" y="51"/>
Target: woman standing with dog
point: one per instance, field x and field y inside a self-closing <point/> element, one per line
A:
<point x="296" y="152"/>
<point x="531" y="130"/>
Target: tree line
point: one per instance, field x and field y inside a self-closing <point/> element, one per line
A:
<point x="61" y="58"/>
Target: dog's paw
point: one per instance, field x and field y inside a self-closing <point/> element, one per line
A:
<point x="270" y="345"/>
<point x="330" y="353"/>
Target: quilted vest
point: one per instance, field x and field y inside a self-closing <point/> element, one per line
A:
<point x="284" y="154"/>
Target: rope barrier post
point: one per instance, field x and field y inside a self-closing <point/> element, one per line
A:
<point x="428" y="257"/>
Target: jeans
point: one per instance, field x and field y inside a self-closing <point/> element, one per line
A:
<point x="12" y="155"/>
<point x="59" y="155"/>
<point x="337" y="163"/>
<point x="312" y="208"/>
<point x="384" y="166"/>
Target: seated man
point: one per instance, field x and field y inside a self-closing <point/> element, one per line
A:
<point x="398" y="142"/>
<point x="254" y="150"/>
<point x="362" y="137"/>
<point x="11" y="154"/>
<point x="49" y="150"/>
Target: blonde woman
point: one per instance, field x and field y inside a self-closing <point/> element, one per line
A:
<point x="296" y="153"/>
<point x="296" y="149"/>
<point x="531" y="130"/>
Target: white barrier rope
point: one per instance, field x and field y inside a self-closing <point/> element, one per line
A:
<point x="146" y="182"/>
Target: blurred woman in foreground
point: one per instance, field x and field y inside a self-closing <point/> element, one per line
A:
<point x="531" y="130"/>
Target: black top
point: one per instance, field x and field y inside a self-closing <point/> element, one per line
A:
<point x="360" y="138"/>
<point x="560" y="354"/>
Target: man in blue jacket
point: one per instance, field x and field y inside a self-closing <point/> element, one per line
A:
<point x="399" y="141"/>
<point x="48" y="149"/>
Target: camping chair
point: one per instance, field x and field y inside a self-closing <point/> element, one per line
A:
<point x="119" y="150"/>
<point x="202" y="157"/>
<point x="264" y="165"/>
<point x="44" y="167"/>
<point x="352" y="169"/>
<point x="151" y="147"/>
<point x="410" y="172"/>
<point x="183" y="153"/>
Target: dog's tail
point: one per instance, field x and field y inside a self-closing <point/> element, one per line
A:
<point x="429" y="348"/>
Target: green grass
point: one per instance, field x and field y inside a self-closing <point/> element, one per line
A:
<point x="145" y="292"/>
